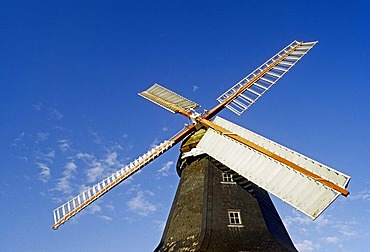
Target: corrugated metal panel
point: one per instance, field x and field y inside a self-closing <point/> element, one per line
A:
<point x="167" y="95"/>
<point x="299" y="190"/>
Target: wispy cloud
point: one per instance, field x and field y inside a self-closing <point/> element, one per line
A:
<point x="347" y="228"/>
<point x="154" y="143"/>
<point x="141" y="205"/>
<point x="305" y="246"/>
<point x="95" y="172"/>
<point x="56" y="115"/>
<point x="362" y="195"/>
<point x="58" y="163"/>
<point x="301" y="222"/>
<point x="313" y="235"/>
<point x="105" y="218"/>
<point x="37" y="106"/>
<point x="94" y="208"/>
<point x="296" y="219"/>
<point x="160" y="225"/>
<point x="84" y="156"/>
<point x="163" y="171"/>
<point x="95" y="168"/>
<point x="48" y="156"/>
<point x="331" y="239"/>
<point x="19" y="137"/>
<point x="64" y="183"/>
<point x="98" y="138"/>
<point x="82" y="188"/>
<point x="20" y="140"/>
<point x="45" y="172"/>
<point x="100" y="168"/>
<point x="64" y="144"/>
<point x="42" y="136"/>
<point x="43" y="162"/>
<point x="110" y="207"/>
<point x="111" y="158"/>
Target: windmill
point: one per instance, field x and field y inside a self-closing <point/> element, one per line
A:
<point x="256" y="163"/>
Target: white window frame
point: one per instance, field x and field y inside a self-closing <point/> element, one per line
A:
<point x="235" y="218"/>
<point x="227" y="178"/>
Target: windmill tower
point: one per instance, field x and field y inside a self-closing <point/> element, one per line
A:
<point x="215" y="209"/>
<point x="222" y="202"/>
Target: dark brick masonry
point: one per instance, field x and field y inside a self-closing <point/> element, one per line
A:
<point x="199" y="220"/>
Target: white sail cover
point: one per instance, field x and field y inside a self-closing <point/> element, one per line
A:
<point x="299" y="190"/>
<point x="163" y="96"/>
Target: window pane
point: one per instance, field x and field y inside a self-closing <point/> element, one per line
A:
<point x="234" y="218"/>
<point x="226" y="177"/>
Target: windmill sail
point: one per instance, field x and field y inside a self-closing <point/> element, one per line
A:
<point x="247" y="91"/>
<point x="75" y="205"/>
<point x="305" y="192"/>
<point x="168" y="99"/>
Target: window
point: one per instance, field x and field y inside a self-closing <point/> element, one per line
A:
<point x="227" y="178"/>
<point x="235" y="218"/>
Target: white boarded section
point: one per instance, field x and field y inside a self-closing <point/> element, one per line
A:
<point x="165" y="97"/>
<point x="302" y="192"/>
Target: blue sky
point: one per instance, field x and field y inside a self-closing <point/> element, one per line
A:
<point x="70" y="72"/>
